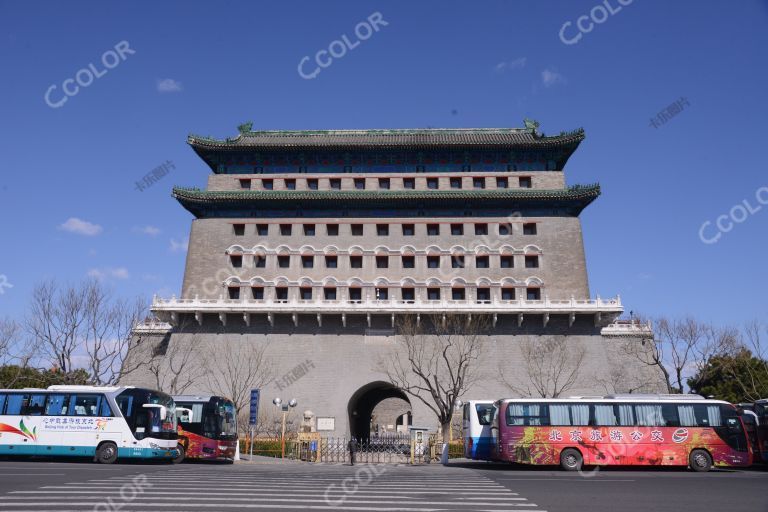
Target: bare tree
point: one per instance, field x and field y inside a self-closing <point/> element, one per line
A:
<point x="552" y="365"/>
<point x="683" y="341"/>
<point x="269" y="422"/>
<point x="9" y="333"/>
<point x="436" y="361"/>
<point x="16" y="353"/>
<point x="756" y="341"/>
<point x="56" y="321"/>
<point x="83" y="321"/>
<point x="680" y="348"/>
<point x="652" y="353"/>
<point x="618" y="381"/>
<point x="175" y="364"/>
<point x="107" y="333"/>
<point x="236" y="369"/>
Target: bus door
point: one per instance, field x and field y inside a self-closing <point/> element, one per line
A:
<point x="751" y="426"/>
<point x="136" y="420"/>
<point x="761" y="409"/>
<point x="485" y="413"/>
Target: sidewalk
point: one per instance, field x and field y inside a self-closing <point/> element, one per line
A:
<point x="260" y="459"/>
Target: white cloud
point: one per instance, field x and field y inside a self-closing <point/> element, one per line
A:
<point x="168" y="85"/>
<point x="550" y="77"/>
<point x="518" y="63"/>
<point x="147" y="230"/>
<point x="81" y="227"/>
<point x="104" y="273"/>
<point x="120" y="273"/>
<point x="98" y="274"/>
<point x="179" y="245"/>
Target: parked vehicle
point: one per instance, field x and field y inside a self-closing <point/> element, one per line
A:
<point x="659" y="430"/>
<point x="755" y="417"/>
<point x="106" y="423"/>
<point x="476" y="428"/>
<point x="207" y="428"/>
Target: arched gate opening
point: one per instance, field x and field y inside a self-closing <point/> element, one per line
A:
<point x="364" y="401"/>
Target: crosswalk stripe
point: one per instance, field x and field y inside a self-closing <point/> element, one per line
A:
<point x="247" y="489"/>
<point x="229" y="499"/>
<point x="164" y="490"/>
<point x="275" y="501"/>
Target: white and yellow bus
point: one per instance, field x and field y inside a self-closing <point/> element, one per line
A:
<point x="106" y="423"/>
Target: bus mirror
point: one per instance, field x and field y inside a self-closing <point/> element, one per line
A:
<point x="163" y="410"/>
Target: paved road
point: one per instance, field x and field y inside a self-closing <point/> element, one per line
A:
<point x="60" y="486"/>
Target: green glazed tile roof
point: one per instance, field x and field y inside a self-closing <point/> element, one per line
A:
<point x="404" y="138"/>
<point x="204" y="204"/>
<point x="193" y="195"/>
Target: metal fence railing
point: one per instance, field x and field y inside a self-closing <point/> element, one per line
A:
<point x="391" y="448"/>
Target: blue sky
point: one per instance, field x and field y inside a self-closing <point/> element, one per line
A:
<point x="205" y="67"/>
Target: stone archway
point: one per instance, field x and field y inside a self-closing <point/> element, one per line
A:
<point x="364" y="401"/>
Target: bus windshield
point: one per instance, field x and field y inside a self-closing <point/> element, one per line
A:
<point x="142" y="409"/>
<point x="227" y="418"/>
<point x="761" y="409"/>
<point x="214" y="419"/>
<point x="485" y="413"/>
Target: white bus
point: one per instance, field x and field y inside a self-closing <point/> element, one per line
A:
<point x="105" y="423"/>
<point x="477" y="418"/>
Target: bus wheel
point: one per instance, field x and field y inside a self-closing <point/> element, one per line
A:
<point x="571" y="459"/>
<point x="180" y="456"/>
<point x="700" y="461"/>
<point x="106" y="453"/>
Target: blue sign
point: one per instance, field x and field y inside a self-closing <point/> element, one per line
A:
<point x="255" y="395"/>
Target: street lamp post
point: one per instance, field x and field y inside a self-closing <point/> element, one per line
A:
<point x="284" y="407"/>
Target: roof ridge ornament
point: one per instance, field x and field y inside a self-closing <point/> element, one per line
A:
<point x="531" y="125"/>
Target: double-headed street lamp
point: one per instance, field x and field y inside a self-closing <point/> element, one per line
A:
<point x="284" y="407"/>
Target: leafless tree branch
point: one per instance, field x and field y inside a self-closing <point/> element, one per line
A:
<point x="436" y="360"/>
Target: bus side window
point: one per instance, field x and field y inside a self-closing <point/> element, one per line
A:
<point x="125" y="404"/>
<point x="105" y="410"/>
<point x="579" y="414"/>
<point x="537" y="414"/>
<point x="84" y="405"/>
<point x="649" y="415"/>
<point x="669" y="415"/>
<point x="604" y="415"/>
<point x="15" y="401"/>
<point x="35" y="406"/>
<point x="558" y="415"/>
<point x="2" y="403"/>
<point x="625" y="413"/>
<point x="56" y="405"/>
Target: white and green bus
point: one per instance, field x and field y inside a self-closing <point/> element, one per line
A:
<point x="106" y="423"/>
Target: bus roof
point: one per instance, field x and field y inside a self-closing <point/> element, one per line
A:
<point x="197" y="398"/>
<point x="620" y="398"/>
<point x="62" y="387"/>
<point x="93" y="389"/>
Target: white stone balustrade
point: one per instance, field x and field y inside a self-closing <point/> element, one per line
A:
<point x="604" y="310"/>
